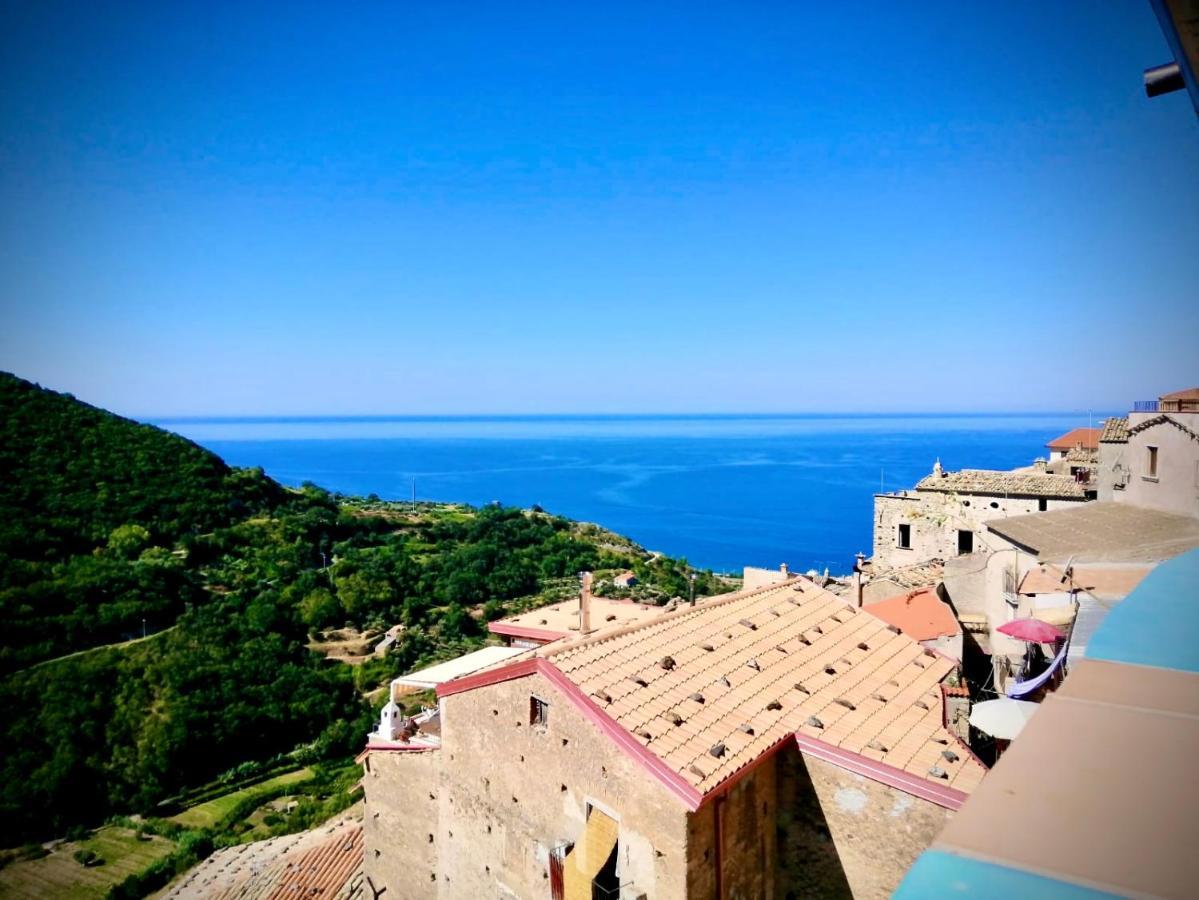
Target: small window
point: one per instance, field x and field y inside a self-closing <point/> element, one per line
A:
<point x="965" y="542"/>
<point x="539" y="712"/>
<point x="904" y="539"/>
<point x="994" y="504"/>
<point x="1152" y="467"/>
<point x="1042" y="505"/>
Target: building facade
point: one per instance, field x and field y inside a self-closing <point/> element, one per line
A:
<point x="1151" y="457"/>
<point x="775" y="743"/>
<point x="944" y="515"/>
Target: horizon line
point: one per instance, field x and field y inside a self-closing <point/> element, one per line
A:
<point x="309" y="418"/>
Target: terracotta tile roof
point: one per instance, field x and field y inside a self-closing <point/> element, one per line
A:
<point x="563" y="618"/>
<point x="710" y="689"/>
<point x="1187" y="394"/>
<point x="1082" y="455"/>
<point x="1115" y="431"/>
<point x="323" y="870"/>
<point x="323" y="862"/>
<point x="924" y="574"/>
<point x="921" y="615"/>
<point x="1079" y="437"/>
<point x="990" y="481"/>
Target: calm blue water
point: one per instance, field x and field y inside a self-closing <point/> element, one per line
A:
<point x="722" y="491"/>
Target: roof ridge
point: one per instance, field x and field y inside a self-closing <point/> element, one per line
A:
<point x="670" y="616"/>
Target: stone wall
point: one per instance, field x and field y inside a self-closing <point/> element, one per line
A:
<point x="935" y="519"/>
<point x="845" y="835"/>
<point x="400" y="823"/>
<point x="512" y="792"/>
<point x="747" y="854"/>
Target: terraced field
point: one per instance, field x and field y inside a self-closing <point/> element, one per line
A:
<point x="59" y="875"/>
<point x="205" y="815"/>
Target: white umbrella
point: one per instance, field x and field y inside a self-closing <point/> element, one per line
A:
<point x="1003" y="718"/>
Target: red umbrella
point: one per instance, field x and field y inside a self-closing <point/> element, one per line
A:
<point x="1032" y="630"/>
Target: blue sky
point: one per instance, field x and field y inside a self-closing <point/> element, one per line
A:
<point x="442" y="208"/>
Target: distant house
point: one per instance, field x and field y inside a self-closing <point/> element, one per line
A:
<point x="754" y="577"/>
<point x="944" y="516"/>
<point x="1078" y="439"/>
<point x="625" y="579"/>
<point x="566" y="619"/>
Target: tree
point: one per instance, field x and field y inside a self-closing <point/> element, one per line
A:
<point x="320" y="609"/>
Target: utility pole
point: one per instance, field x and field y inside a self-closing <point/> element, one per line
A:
<point x="143" y="628"/>
<point x="414" y="495"/>
<point x="693" y="589"/>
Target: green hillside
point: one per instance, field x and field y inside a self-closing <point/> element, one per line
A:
<point x="108" y="524"/>
<point x="91" y="506"/>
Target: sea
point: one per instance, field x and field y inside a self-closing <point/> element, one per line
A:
<point x="723" y="491"/>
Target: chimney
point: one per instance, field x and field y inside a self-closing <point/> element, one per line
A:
<point x="857" y="578"/>
<point x="786" y="572"/>
<point x="584" y="603"/>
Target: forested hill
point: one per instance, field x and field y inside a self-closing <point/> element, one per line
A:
<point x="91" y="506"/>
<point x="110" y="528"/>
<point x="74" y="473"/>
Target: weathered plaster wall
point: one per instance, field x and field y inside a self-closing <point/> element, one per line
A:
<point x="1175" y="488"/>
<point x="844" y="822"/>
<point x="511" y="792"/>
<point x="1110" y="456"/>
<point x="400" y="824"/>
<point x="935" y="519"/>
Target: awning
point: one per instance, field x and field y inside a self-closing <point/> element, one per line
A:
<point x="584" y="862"/>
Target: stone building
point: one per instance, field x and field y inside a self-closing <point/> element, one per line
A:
<point x="774" y="743"/>
<point x="943" y="516"/>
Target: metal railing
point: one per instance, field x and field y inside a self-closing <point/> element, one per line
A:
<point x="1145" y="406"/>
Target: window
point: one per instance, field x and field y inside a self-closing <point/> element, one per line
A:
<point x="904" y="540"/>
<point x="539" y="712"/>
<point x="1151" y="469"/>
<point x="965" y="542"/>
<point x="1042" y="505"/>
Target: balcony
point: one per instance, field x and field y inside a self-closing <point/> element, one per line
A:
<point x="1145" y="406"/>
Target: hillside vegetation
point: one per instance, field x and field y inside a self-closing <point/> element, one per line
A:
<point x="107" y="523"/>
